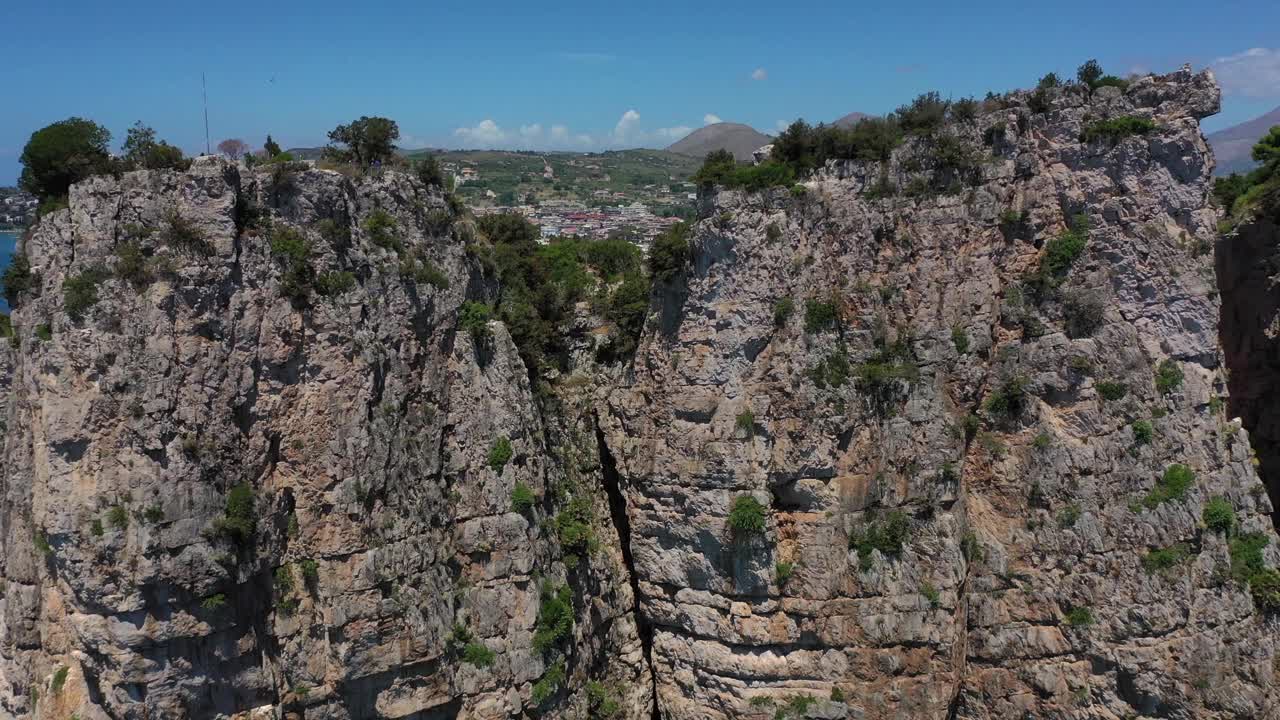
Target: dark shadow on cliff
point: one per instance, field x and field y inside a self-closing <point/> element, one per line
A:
<point x="1248" y="270"/>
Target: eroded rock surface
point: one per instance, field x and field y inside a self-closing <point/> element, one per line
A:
<point x="1025" y="585"/>
<point x="360" y="420"/>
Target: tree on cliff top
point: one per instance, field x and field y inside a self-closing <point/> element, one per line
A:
<point x="233" y="148"/>
<point x="143" y="152"/>
<point x="61" y="154"/>
<point x="367" y="140"/>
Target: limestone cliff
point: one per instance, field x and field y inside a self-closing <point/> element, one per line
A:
<point x="222" y="493"/>
<point x="972" y="447"/>
<point x="948" y="436"/>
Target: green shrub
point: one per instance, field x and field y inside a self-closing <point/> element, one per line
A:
<point x="575" y="530"/>
<point x="880" y="378"/>
<point x="1116" y="129"/>
<point x="549" y="683"/>
<point x="1246" y="555"/>
<point x="1082" y="314"/>
<point x="500" y="453"/>
<point x="41" y="543"/>
<point x="334" y="282"/>
<point x="132" y="266"/>
<point x="59" y="679"/>
<point x="96" y="527"/>
<point x="1008" y="401"/>
<point x="284" y="580"/>
<point x="931" y="594"/>
<point x="837" y="695"/>
<point x="1173" y="485"/>
<point x="923" y="115"/>
<point x="80" y="292"/>
<point x="782" y="572"/>
<point x="1069" y="515"/>
<point x="1079" y="617"/>
<point x="239" y="523"/>
<point x="1111" y="390"/>
<point x="522" y="498"/>
<point x="118" y="517"/>
<point x="887" y="535"/>
<point x="1219" y="516"/>
<point x="555" y="617"/>
<point x="782" y="311"/>
<point x="184" y="236"/>
<point x="746" y="422"/>
<point x="833" y="371"/>
<point x="474" y="319"/>
<point x="747" y="516"/>
<point x="1265" y="588"/>
<point x="820" y="315"/>
<point x="773" y="232"/>
<point x="1143" y="432"/>
<point x="44" y="332"/>
<point x="602" y="701"/>
<point x="1061" y="252"/>
<point x="971" y="548"/>
<point x="1168" y="376"/>
<point x="153" y="514"/>
<point x="382" y="231"/>
<point x="477" y="654"/>
<point x="214" y="602"/>
<point x="960" y="339"/>
<point x="310" y="571"/>
<point x="1165" y="558"/>
<point x="670" y="253"/>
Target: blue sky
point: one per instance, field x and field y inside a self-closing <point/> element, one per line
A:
<point x="578" y="74"/>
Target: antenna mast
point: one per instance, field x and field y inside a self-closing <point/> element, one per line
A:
<point x="204" y="95"/>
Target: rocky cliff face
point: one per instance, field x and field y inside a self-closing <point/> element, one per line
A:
<point x="219" y="499"/>
<point x="954" y="450"/>
<point x="961" y="435"/>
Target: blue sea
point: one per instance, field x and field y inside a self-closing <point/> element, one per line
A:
<point x="8" y="243"/>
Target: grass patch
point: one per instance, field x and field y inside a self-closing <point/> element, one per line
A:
<point x="1116" y="129"/>
<point x="1173" y="485"/>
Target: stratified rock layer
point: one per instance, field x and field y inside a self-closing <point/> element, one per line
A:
<point x="360" y="420"/>
<point x="1025" y="585"/>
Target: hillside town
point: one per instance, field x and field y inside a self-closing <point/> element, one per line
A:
<point x="17" y="208"/>
<point x="634" y="221"/>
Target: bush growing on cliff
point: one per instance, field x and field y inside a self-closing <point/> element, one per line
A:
<point x="1079" y="616"/>
<point x="1168" y="376"/>
<point x="473" y="319"/>
<point x="522" y="498"/>
<point x="1219" y="516"/>
<point x="500" y="453"/>
<point x="832" y="371"/>
<point x="555" y="617"/>
<point x="184" y="235"/>
<point x="746" y="516"/>
<point x="381" y="229"/>
<point x="1171" y="486"/>
<point x="670" y="253"/>
<point x="294" y="250"/>
<point x="1143" y="432"/>
<point x="888" y="535"/>
<point x="61" y="154"/>
<point x="575" y="531"/>
<point x="922" y="115"/>
<point x="820" y="315"/>
<point x="1008" y="401"/>
<point x="549" y="683"/>
<point x="1116" y="129"/>
<point x="478" y="654"/>
<point x="602" y="700"/>
<point x="80" y="292"/>
<point x="782" y="311"/>
<point x="17" y="278"/>
<point x="238" y="521"/>
<point x="1111" y="390"/>
<point x="1165" y="559"/>
<point x="428" y="171"/>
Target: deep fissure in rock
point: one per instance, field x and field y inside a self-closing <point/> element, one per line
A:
<point x="1248" y="270"/>
<point x="622" y="522"/>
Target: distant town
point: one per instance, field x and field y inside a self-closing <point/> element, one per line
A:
<point x="17" y="208"/>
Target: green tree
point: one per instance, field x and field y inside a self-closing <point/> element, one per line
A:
<point x="366" y="141"/>
<point x="61" y="154"/>
<point x="271" y="148"/>
<point x="143" y="152"/>
<point x="429" y="171"/>
<point x="1267" y="150"/>
<point x="1089" y="73"/>
<point x="716" y="168"/>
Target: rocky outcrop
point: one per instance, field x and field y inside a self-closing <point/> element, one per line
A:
<point x="250" y="469"/>
<point x="972" y="447"/>
<point x="945" y="436"/>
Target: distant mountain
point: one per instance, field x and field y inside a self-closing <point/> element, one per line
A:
<point x="739" y="139"/>
<point x="851" y="119"/>
<point x="1232" y="146"/>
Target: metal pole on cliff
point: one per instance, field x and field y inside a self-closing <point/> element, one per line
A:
<point x="204" y="95"/>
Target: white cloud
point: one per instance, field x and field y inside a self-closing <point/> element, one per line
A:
<point x="1253" y="73"/>
<point x="559" y="133"/>
<point x="486" y="134"/>
<point x="626" y="124"/>
<point x="531" y="132"/>
<point x="710" y="119"/>
<point x="759" y="74"/>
